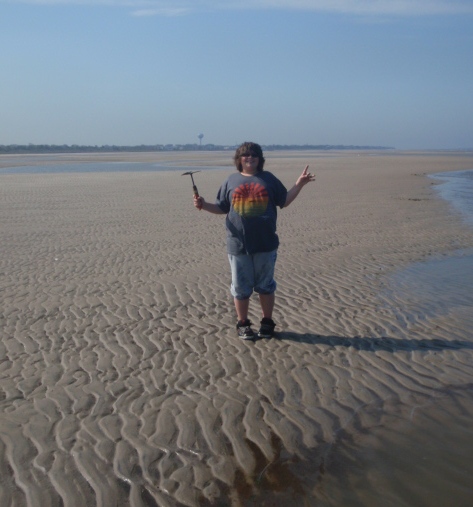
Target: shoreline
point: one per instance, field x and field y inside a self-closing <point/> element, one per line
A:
<point x="121" y="362"/>
<point x="13" y="160"/>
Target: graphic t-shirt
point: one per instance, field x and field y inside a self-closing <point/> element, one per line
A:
<point x="251" y="206"/>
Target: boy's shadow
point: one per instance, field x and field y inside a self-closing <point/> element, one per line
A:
<point x="375" y="344"/>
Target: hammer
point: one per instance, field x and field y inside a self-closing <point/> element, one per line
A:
<point x="190" y="173"/>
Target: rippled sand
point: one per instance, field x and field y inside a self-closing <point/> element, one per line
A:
<point x="122" y="381"/>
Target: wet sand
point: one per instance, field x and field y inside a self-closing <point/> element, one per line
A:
<point x="122" y="381"/>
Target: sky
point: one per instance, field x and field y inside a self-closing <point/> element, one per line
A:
<point x="395" y="73"/>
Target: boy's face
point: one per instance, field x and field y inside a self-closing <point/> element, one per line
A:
<point x="249" y="163"/>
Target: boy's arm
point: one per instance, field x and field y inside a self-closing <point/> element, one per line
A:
<point x="303" y="179"/>
<point x="200" y="203"/>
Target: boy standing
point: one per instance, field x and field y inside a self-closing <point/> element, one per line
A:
<point x="250" y="199"/>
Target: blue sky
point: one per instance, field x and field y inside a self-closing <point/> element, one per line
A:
<point x="364" y="72"/>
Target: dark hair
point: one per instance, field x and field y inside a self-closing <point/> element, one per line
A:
<point x="252" y="149"/>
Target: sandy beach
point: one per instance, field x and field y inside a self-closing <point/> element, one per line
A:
<point x="122" y="380"/>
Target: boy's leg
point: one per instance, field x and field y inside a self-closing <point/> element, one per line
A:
<point x="267" y="305"/>
<point x="241" y="306"/>
<point x="266" y="287"/>
<point x="242" y="283"/>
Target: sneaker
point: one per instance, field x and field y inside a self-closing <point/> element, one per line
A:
<point x="244" y="330"/>
<point x="267" y="328"/>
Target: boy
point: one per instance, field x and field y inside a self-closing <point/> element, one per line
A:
<point x="250" y="198"/>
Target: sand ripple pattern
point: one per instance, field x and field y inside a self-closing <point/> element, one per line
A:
<point x="122" y="381"/>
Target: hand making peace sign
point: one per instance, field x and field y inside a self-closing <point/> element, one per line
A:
<point x="305" y="177"/>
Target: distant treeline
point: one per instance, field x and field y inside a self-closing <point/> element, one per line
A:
<point x="75" y="148"/>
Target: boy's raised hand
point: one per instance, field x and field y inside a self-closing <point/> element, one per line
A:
<point x="305" y="177"/>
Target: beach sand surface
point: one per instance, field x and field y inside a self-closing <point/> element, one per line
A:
<point x="122" y="380"/>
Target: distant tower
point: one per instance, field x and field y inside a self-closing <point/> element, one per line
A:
<point x="200" y="136"/>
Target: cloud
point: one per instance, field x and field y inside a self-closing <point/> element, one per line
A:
<point x="357" y="7"/>
<point x="166" y="12"/>
<point x="375" y="7"/>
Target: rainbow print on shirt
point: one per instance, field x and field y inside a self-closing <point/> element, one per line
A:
<point x="250" y="199"/>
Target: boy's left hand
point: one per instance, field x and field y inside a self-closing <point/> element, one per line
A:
<point x="305" y="177"/>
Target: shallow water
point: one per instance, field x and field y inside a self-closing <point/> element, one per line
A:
<point x="418" y="458"/>
<point x="419" y="453"/>
<point x="100" y="167"/>
<point x="457" y="188"/>
<point x="434" y="288"/>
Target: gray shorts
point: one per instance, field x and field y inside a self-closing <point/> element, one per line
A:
<point x="252" y="272"/>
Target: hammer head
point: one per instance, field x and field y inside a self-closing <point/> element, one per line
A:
<point x="190" y="173"/>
